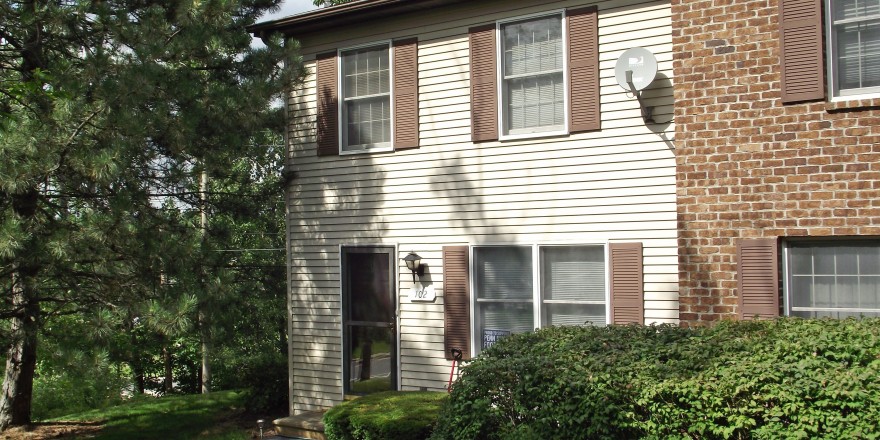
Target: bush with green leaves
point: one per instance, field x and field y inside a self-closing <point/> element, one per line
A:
<point x="788" y="378"/>
<point x="398" y="415"/>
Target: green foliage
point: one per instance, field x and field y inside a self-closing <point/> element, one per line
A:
<point x="72" y="377"/>
<point x="399" y="415"/>
<point x="264" y="375"/>
<point x="329" y="2"/>
<point x="789" y="378"/>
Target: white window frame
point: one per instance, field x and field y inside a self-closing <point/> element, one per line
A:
<point x="503" y="132"/>
<point x="786" y="284"/>
<point x="537" y="299"/>
<point x="342" y="115"/>
<point x="831" y="46"/>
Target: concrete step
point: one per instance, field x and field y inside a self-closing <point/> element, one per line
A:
<point x="307" y="425"/>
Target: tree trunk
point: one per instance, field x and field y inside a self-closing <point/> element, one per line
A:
<point x="206" y="360"/>
<point x="168" y="384"/>
<point x="21" y="360"/>
<point x="204" y="325"/>
<point x="366" y="359"/>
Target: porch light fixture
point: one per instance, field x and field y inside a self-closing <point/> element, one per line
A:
<point x="414" y="263"/>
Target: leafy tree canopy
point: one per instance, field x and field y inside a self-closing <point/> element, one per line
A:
<point x="110" y="112"/>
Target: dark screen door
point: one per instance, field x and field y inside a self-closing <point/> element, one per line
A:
<point x="368" y="318"/>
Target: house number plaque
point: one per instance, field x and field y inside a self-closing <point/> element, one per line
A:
<point x="419" y="293"/>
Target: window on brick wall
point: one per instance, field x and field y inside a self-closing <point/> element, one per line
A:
<point x="833" y="279"/>
<point x="853" y="52"/>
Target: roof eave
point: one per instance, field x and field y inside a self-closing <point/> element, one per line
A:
<point x="341" y="15"/>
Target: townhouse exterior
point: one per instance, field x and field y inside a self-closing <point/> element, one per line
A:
<point x="492" y="141"/>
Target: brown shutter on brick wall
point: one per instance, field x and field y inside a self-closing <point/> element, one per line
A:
<point x="406" y="94"/>
<point x="484" y="91"/>
<point x="800" y="54"/>
<point x="328" y="104"/>
<point x="456" y="301"/>
<point x="757" y="278"/>
<point x="583" y="69"/>
<point x="627" y="291"/>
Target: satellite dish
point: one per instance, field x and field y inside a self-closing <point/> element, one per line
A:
<point x="642" y="65"/>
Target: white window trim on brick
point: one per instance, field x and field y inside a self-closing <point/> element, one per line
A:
<point x="788" y="283"/>
<point x="537" y="301"/>
<point x="537" y="132"/>
<point x="344" y="148"/>
<point x="831" y="59"/>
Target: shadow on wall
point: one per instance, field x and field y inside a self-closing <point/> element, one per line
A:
<point x="332" y="200"/>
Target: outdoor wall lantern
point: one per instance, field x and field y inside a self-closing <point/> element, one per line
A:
<point x="414" y="263"/>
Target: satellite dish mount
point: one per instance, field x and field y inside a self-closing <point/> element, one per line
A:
<point x="635" y="70"/>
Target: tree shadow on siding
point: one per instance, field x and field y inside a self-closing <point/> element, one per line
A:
<point x="332" y="201"/>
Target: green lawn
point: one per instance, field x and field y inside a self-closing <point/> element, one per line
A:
<point x="214" y="416"/>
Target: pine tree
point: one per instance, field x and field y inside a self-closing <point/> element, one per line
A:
<point x="108" y="109"/>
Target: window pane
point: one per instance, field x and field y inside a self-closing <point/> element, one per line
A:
<point x="849" y="9"/>
<point x="858" y="53"/>
<point x="823" y="260"/>
<point x="801" y="260"/>
<point x="847" y="261"/>
<point x="869" y="260"/>
<point x="535" y="101"/>
<point x="846" y="292"/>
<point x="573" y="273"/>
<point x="503" y="272"/>
<point x="498" y="319"/>
<point x="369" y="287"/>
<point x="369" y="121"/>
<point x="574" y="314"/>
<point x="844" y="277"/>
<point x="869" y="292"/>
<point x="365" y="72"/>
<point x="533" y="46"/>
<point x="801" y="291"/>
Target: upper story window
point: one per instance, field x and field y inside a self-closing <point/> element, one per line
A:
<point x="532" y="79"/>
<point x="854" y="46"/>
<point x="366" y="96"/>
<point x="535" y="75"/>
<point x="838" y="280"/>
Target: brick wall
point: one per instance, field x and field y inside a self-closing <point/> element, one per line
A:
<point x="749" y="166"/>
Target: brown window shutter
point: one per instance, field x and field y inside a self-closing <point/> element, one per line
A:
<point x="484" y="91"/>
<point x="327" y="85"/>
<point x="757" y="278"/>
<point x="583" y="69"/>
<point x="406" y="94"/>
<point x="456" y="301"/>
<point x="800" y="41"/>
<point x="627" y="289"/>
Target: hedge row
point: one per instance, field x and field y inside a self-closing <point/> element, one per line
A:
<point x="397" y="415"/>
<point x="787" y="378"/>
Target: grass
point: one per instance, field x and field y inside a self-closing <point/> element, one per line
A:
<point x="214" y="416"/>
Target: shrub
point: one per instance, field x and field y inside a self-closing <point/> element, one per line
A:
<point x="788" y="378"/>
<point x="264" y="375"/>
<point x="398" y="415"/>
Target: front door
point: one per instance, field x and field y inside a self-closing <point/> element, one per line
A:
<point x="369" y="317"/>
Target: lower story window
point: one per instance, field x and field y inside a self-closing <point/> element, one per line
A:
<point x="838" y="280"/>
<point x="519" y="288"/>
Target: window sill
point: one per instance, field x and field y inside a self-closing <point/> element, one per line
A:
<point x="367" y="151"/>
<point x="535" y="135"/>
<point x="852" y="104"/>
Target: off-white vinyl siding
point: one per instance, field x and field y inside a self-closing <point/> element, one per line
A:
<point x="617" y="184"/>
